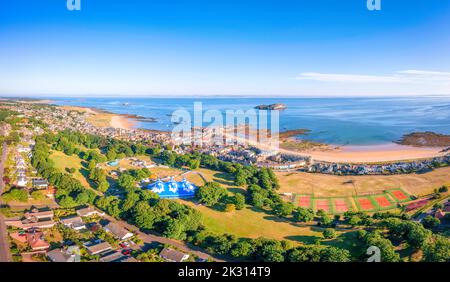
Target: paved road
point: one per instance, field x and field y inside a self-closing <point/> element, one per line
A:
<point x="149" y="238"/>
<point x="5" y="254"/>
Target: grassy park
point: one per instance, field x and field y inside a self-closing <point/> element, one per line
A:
<point x="63" y="162"/>
<point x="251" y="223"/>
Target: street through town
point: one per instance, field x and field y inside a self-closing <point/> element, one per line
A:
<point x="151" y="238"/>
<point x="5" y="254"/>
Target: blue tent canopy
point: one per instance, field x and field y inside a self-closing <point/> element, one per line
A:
<point x="173" y="189"/>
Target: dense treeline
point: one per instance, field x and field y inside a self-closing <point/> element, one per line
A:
<point x="268" y="250"/>
<point x="70" y="192"/>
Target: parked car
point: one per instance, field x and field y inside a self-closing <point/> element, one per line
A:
<point x="126" y="252"/>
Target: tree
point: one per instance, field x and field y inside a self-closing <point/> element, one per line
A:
<point x="174" y="230"/>
<point x="283" y="208"/>
<point x="304" y="254"/>
<point x="242" y="249"/>
<point x="329" y="233"/>
<point x="144" y="215"/>
<point x="168" y="158"/>
<point x="194" y="163"/>
<point x="103" y="186"/>
<point x="333" y="254"/>
<point x="239" y="201"/>
<point x="355" y="220"/>
<point x="303" y="215"/>
<point x="437" y="250"/>
<point x="417" y="236"/>
<point x="70" y="170"/>
<point x="240" y="178"/>
<point x="257" y="200"/>
<point x="220" y="244"/>
<point x="67" y="202"/>
<point x="325" y="220"/>
<point x="16" y="195"/>
<point x="211" y="193"/>
<point x="92" y="165"/>
<point x="37" y="195"/>
<point x="82" y="198"/>
<point x="269" y="250"/>
<point x="388" y="253"/>
<point x="443" y="189"/>
<point x="126" y="181"/>
<point x="130" y="200"/>
<point x="430" y="222"/>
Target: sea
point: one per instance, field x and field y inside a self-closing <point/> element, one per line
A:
<point x="340" y="121"/>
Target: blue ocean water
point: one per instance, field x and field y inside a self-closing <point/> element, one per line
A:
<point x="353" y="121"/>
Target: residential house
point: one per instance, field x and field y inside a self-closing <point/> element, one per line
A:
<point x="89" y="211"/>
<point x="36" y="241"/>
<point x="111" y="256"/>
<point x="74" y="222"/>
<point x="118" y="231"/>
<point x="98" y="248"/>
<point x="23" y="149"/>
<point x="127" y="259"/>
<point x="22" y="181"/>
<point x="173" y="255"/>
<point x="31" y="223"/>
<point x="60" y="255"/>
<point x="39" y="214"/>
<point x="40" y="183"/>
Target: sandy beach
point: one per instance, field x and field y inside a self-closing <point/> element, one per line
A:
<point x="374" y="153"/>
<point x="118" y="121"/>
<point x="105" y="119"/>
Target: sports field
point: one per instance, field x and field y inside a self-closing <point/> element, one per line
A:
<point x="323" y="185"/>
<point x="338" y="205"/>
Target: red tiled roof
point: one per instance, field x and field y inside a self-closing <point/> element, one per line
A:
<point x="35" y="241"/>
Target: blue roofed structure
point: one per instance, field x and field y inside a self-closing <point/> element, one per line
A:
<point x="173" y="189"/>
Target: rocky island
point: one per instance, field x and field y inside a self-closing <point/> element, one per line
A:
<point x="425" y="139"/>
<point x="271" y="107"/>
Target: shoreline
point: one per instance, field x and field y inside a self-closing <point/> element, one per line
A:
<point x="102" y="118"/>
<point x="380" y="153"/>
<point x="357" y="154"/>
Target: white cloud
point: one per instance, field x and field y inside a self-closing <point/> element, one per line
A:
<point x="406" y="76"/>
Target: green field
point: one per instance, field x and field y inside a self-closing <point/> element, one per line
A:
<point x="63" y="161"/>
<point x="251" y="223"/>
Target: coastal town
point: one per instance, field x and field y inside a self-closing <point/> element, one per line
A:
<point x="61" y="118"/>
<point x="85" y="213"/>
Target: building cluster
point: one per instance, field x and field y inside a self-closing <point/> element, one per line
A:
<point x="419" y="166"/>
<point x="59" y="118"/>
<point x="5" y="128"/>
<point x="32" y="230"/>
<point x="36" y="223"/>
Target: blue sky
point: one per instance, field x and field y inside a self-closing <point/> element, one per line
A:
<point x="232" y="47"/>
